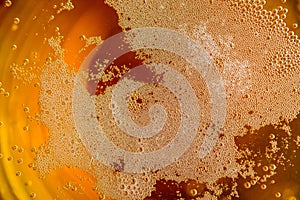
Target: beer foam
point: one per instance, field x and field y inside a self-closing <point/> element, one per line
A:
<point x="251" y="48"/>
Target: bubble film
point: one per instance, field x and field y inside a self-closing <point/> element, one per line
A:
<point x="149" y="99"/>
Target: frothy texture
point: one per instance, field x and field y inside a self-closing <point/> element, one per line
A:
<point x="212" y="72"/>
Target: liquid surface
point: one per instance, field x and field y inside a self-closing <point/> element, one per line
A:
<point x="149" y="100"/>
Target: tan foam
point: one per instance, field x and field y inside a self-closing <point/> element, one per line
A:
<point x="256" y="55"/>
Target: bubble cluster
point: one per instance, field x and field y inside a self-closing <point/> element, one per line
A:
<point x="257" y="69"/>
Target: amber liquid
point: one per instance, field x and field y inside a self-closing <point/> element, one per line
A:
<point x="92" y="18"/>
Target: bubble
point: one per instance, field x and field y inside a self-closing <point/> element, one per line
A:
<point x="51" y="18"/>
<point x="82" y="37"/>
<point x="247" y="185"/>
<point x="272" y="136"/>
<point x="32" y="195"/>
<point x="18" y="173"/>
<point x="193" y="192"/>
<point x="7" y="3"/>
<point x="14" y="47"/>
<point x="20" y="161"/>
<point x="15" y="147"/>
<point x="265" y="168"/>
<point x="277" y="194"/>
<point x="253" y="182"/>
<point x="132" y="181"/>
<point x="26" y="61"/>
<point x="26" y="109"/>
<point x="26" y="128"/>
<point x="30" y="165"/>
<point x="273" y="167"/>
<point x="20" y="150"/>
<point x="6" y="94"/>
<point x="295" y="25"/>
<point x="263" y="186"/>
<point x="16" y="20"/>
<point x="34" y="150"/>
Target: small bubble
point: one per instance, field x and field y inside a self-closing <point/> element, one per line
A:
<point x="30" y="165"/>
<point x="273" y="167"/>
<point x="26" y="128"/>
<point x="272" y="136"/>
<point x="132" y="181"/>
<point x="1" y="123"/>
<point x="295" y="25"/>
<point x="18" y="173"/>
<point x="283" y="16"/>
<point x="6" y="94"/>
<point x="48" y="59"/>
<point x="56" y="29"/>
<point x="247" y="185"/>
<point x="82" y="37"/>
<point x="253" y="182"/>
<point x="7" y="3"/>
<point x="26" y="61"/>
<point x="20" y="150"/>
<point x="36" y="84"/>
<point x="51" y="18"/>
<point x="194" y="192"/>
<point x="10" y="158"/>
<point x="20" y="161"/>
<point x="265" y="168"/>
<point x="2" y="90"/>
<point x="26" y="109"/>
<point x="277" y="194"/>
<point x="15" y="147"/>
<point x="263" y="186"/>
<point x="32" y="195"/>
<point x="14" y="47"/>
<point x="16" y="20"/>
<point x="145" y="179"/>
<point x="1" y="155"/>
<point x="34" y="150"/>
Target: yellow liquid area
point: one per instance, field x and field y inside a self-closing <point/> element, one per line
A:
<point x="20" y="132"/>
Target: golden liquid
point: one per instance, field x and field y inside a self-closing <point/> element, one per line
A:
<point x="22" y="133"/>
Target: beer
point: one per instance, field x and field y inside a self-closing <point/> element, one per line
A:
<point x="149" y="99"/>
